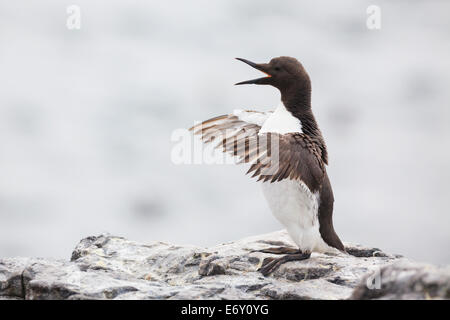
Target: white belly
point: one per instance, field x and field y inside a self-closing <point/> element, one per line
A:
<point x="296" y="207"/>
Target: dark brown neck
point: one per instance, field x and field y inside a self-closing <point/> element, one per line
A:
<point x="298" y="102"/>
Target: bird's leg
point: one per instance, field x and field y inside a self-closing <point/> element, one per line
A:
<point x="278" y="250"/>
<point x="271" y="264"/>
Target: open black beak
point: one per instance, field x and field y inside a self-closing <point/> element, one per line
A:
<point x="261" y="67"/>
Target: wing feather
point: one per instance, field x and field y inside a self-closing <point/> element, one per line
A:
<point x="272" y="156"/>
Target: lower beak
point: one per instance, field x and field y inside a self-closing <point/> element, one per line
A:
<point x="259" y="66"/>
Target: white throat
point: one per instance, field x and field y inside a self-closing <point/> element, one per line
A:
<point x="281" y="121"/>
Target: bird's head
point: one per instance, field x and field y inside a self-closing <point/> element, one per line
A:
<point x="282" y="73"/>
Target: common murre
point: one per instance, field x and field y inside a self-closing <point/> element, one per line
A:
<point x="288" y="154"/>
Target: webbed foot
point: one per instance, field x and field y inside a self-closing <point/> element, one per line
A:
<point x="269" y="265"/>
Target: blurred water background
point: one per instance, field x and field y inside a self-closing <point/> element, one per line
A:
<point x="86" y="118"/>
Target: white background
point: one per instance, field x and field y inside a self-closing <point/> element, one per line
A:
<point x="86" y="118"/>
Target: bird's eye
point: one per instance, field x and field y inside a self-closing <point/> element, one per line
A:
<point x="277" y="69"/>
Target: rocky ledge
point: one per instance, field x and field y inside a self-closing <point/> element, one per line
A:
<point x="110" y="267"/>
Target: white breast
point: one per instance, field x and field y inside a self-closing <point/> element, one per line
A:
<point x="296" y="207"/>
<point x="281" y="121"/>
<point x="291" y="201"/>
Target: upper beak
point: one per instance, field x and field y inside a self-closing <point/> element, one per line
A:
<point x="261" y="67"/>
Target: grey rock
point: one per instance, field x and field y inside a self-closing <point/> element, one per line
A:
<point x="111" y="267"/>
<point x="405" y="280"/>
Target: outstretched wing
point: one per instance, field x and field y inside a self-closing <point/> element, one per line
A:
<point x="273" y="157"/>
<point x="240" y="124"/>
